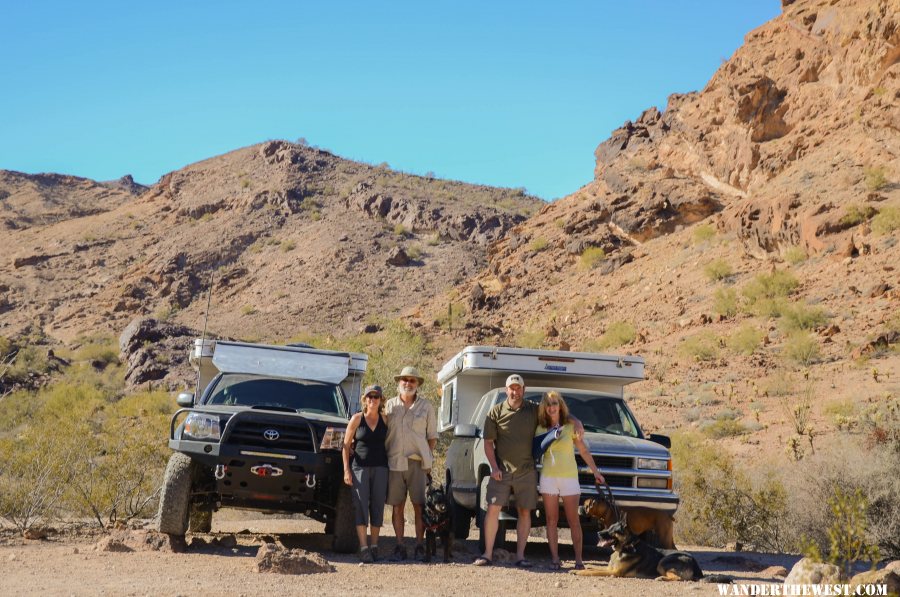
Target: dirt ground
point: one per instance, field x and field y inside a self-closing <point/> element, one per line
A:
<point x="67" y="564"/>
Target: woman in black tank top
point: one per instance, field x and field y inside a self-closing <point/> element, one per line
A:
<point x="366" y="469"/>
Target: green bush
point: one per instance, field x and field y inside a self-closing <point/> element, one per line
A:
<point x="803" y="317"/>
<point x="617" y="334"/>
<point x="400" y="230"/>
<point x="767" y="294"/>
<point x="104" y="350"/>
<point x="887" y="220"/>
<point x="875" y="177"/>
<point x="745" y="340"/>
<point x="538" y="244"/>
<point x="591" y="258"/>
<point x="701" y="347"/>
<point x="722" y="428"/>
<point x="704" y="233"/>
<point x="530" y="339"/>
<point x="848" y="532"/>
<point x="802" y="348"/>
<point x="795" y="255"/>
<point x="725" y="302"/>
<point x="718" y="270"/>
<point x="855" y="215"/>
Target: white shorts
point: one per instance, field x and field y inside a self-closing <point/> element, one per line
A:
<point x="561" y="486"/>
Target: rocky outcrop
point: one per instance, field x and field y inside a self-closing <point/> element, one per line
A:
<point x="155" y="351"/>
<point x="810" y="572"/>
<point x="277" y="560"/>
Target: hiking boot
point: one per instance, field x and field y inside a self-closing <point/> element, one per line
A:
<point x="419" y="553"/>
<point x="365" y="555"/>
<point x="399" y="553"/>
<point x="374" y="551"/>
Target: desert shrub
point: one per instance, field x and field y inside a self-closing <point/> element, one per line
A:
<point x="718" y="270"/>
<point x="745" y="340"/>
<point x="795" y="255"/>
<point x="99" y="349"/>
<point x="6" y="347"/>
<point x="530" y="339"/>
<point x="414" y="252"/>
<point x="725" y="302"/>
<point x="454" y="318"/>
<point x="767" y="294"/>
<point x="722" y="428"/>
<point x="27" y="360"/>
<point x="166" y="312"/>
<point x="855" y="215"/>
<point x="704" y="233"/>
<point x="887" y="220"/>
<point x="848" y="533"/>
<point x="840" y="411"/>
<point x="248" y="310"/>
<point x="288" y="245"/>
<point x="700" y="347"/>
<point x="802" y="317"/>
<point x="591" y="258"/>
<point x="400" y="230"/>
<point x="802" y="348"/>
<point x="875" y="177"/>
<point x="538" y="244"/>
<point x="617" y="334"/>
<point x="721" y="503"/>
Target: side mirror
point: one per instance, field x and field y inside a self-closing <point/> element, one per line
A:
<point x="185" y="399"/>
<point x="465" y="430"/>
<point x="662" y="440"/>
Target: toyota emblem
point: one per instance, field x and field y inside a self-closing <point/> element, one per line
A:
<point x="271" y="434"/>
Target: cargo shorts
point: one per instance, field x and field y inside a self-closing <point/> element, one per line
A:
<point x="522" y="484"/>
<point x="412" y="481"/>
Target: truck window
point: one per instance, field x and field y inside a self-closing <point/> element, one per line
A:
<point x="248" y="390"/>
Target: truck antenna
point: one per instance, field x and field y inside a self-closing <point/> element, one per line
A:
<point x="203" y="337"/>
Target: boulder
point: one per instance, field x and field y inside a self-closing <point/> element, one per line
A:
<point x="274" y="559"/>
<point x="890" y="578"/>
<point x="398" y="257"/>
<point x="810" y="572"/>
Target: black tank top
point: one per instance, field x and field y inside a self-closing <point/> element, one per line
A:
<point x="370" y="450"/>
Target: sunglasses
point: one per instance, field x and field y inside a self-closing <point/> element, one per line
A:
<point x="409" y="380"/>
<point x="373" y="396"/>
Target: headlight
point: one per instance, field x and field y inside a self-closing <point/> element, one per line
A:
<point x="202" y="426"/>
<point x="653" y="464"/>
<point x="333" y="438"/>
<point x="652" y="483"/>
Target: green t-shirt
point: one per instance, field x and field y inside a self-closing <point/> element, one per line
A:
<point x="559" y="459"/>
<point x="512" y="432"/>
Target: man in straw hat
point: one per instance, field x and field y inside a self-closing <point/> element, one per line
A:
<point x="412" y="435"/>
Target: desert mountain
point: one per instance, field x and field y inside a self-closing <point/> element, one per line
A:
<point x="785" y="163"/>
<point x="292" y="240"/>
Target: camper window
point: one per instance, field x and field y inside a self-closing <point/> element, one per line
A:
<point x="234" y="389"/>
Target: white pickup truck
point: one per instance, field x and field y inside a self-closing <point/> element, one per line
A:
<point x="637" y="467"/>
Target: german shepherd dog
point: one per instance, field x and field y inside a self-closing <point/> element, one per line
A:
<point x="654" y="526"/>
<point x="436" y="515"/>
<point x="634" y="558"/>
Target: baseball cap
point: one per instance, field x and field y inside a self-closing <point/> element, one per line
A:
<point x="515" y="378"/>
<point x="373" y="389"/>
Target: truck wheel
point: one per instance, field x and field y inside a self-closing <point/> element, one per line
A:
<point x="345" y="538"/>
<point x="200" y="520"/>
<point x="500" y="540"/>
<point x="175" y="499"/>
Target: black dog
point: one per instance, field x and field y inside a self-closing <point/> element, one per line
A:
<point x="436" y="515"/>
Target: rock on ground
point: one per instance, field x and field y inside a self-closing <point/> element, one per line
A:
<point x="275" y="559"/>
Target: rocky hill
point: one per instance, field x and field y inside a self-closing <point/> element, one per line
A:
<point x="784" y="168"/>
<point x="291" y="239"/>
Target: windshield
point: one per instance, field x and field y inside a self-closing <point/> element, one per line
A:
<point x="598" y="414"/>
<point x="238" y="389"/>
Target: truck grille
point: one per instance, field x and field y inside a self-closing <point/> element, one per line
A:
<point x="292" y="437"/>
<point x="611" y="480"/>
<point x="606" y="462"/>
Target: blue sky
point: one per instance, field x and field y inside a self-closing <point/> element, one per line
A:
<point x="513" y="94"/>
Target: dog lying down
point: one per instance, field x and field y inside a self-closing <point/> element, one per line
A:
<point x="635" y="558"/>
<point x="654" y="526"/>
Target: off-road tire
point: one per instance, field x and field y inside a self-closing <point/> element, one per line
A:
<point x="500" y="540"/>
<point x="175" y="498"/>
<point x="345" y="538"/>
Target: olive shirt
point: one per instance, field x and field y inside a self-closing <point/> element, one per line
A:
<point x="409" y="430"/>
<point x="512" y="431"/>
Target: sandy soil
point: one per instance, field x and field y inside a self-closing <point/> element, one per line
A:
<point x="69" y="565"/>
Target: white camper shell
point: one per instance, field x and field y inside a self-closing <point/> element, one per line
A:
<point x="476" y="370"/>
<point x="211" y="357"/>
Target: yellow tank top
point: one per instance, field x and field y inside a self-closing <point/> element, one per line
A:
<point x="559" y="459"/>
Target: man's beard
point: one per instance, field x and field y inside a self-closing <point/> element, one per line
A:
<point x="405" y="392"/>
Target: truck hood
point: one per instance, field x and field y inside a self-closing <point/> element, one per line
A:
<point x="230" y="410"/>
<point x="606" y="443"/>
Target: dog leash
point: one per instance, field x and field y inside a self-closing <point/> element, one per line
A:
<point x="606" y="494"/>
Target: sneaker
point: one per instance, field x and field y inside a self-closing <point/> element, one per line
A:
<point x="374" y="551"/>
<point x="419" y="553"/>
<point x="399" y="553"/>
<point x="365" y="555"/>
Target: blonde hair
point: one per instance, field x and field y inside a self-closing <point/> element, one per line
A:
<point x="544" y="419"/>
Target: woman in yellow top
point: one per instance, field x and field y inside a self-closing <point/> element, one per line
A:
<point x="559" y="475"/>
